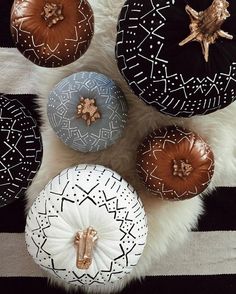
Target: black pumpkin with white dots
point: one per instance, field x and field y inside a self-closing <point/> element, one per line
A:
<point x="179" y="56"/>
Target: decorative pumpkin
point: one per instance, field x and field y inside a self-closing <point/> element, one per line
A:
<point x="87" y="227"/>
<point x="52" y="33"/>
<point x="179" y="56"/>
<point x="21" y="149"/>
<point x="175" y="163"/>
<point x="88" y="111"/>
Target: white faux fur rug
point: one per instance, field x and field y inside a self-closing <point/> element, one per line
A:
<point x="169" y="222"/>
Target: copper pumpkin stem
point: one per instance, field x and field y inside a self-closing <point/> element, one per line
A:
<point x="85" y="241"/>
<point x="52" y="13"/>
<point x="182" y="168"/>
<point x="88" y="110"/>
<point x="206" y="25"/>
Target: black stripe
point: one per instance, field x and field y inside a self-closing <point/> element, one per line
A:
<point x="185" y="284"/>
<point x="220" y="209"/>
<point x="5" y="9"/>
<point x="12" y="217"/>
<point x="154" y="285"/>
<point x="28" y="285"/>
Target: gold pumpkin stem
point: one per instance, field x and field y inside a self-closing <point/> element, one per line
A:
<point x="182" y="168"/>
<point x="206" y="25"/>
<point x="52" y="13"/>
<point x="85" y="241"/>
<point x="88" y="110"/>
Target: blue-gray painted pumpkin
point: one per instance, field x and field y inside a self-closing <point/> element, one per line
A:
<point x="88" y="111"/>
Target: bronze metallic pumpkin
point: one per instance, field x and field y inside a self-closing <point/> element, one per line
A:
<point x="52" y="33"/>
<point x="174" y="163"/>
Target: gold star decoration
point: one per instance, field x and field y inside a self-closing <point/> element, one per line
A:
<point x="206" y="25"/>
<point x="88" y="110"/>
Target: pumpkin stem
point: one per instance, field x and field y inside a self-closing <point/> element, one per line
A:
<point x="52" y="13"/>
<point x="85" y="240"/>
<point x="182" y="168"/>
<point x="88" y="110"/>
<point x="206" y="25"/>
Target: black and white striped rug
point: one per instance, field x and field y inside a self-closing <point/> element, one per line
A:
<point x="205" y="264"/>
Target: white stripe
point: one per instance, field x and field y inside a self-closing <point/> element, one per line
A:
<point x="16" y="72"/>
<point x="14" y="258"/>
<point x="205" y="253"/>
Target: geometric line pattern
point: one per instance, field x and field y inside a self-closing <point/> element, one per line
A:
<point x="89" y="198"/>
<point x="142" y="43"/>
<point x="73" y="130"/>
<point x="155" y="163"/>
<point x="56" y="46"/>
<point x="21" y="149"/>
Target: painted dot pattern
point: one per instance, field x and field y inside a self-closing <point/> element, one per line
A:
<point x="21" y="149"/>
<point x="73" y="130"/>
<point x="144" y="50"/>
<point x="79" y="197"/>
<point x="55" y="46"/>
<point x="155" y="163"/>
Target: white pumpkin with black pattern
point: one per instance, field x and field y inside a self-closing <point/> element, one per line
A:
<point x="79" y="198"/>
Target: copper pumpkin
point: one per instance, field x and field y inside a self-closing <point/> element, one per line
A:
<point x="52" y="33"/>
<point x="175" y="163"/>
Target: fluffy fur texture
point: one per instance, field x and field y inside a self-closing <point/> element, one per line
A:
<point x="169" y="222"/>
